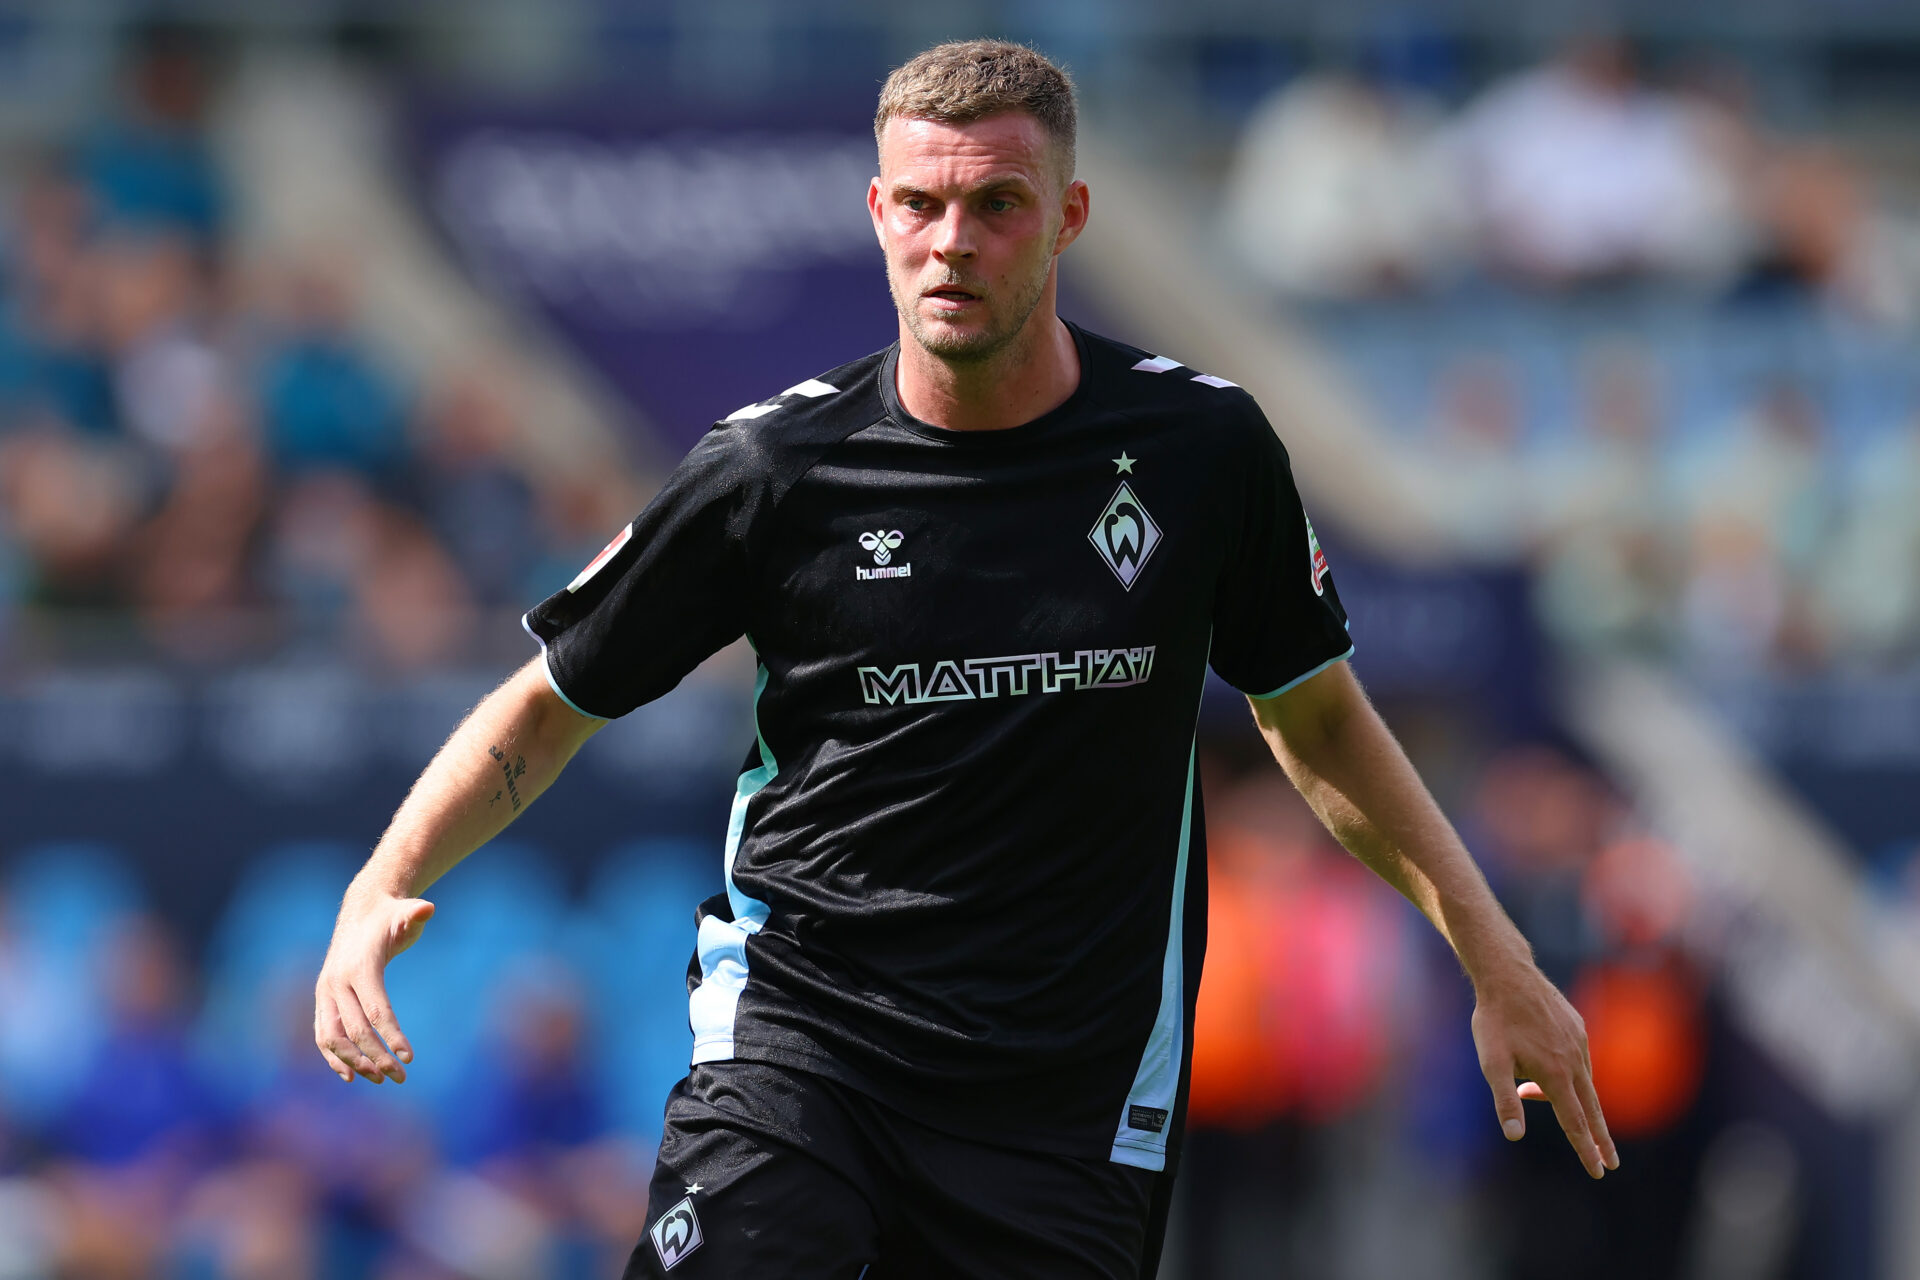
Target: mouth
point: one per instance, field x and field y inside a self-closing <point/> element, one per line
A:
<point x="950" y="297"/>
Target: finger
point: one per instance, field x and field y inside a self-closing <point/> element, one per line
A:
<point x="361" y="1032"/>
<point x="1531" y="1092"/>
<point x="1506" y="1099"/>
<point x="326" y="1030"/>
<point x="379" y="1010"/>
<point x="1596" y="1120"/>
<point x="335" y="1043"/>
<point x="1573" y="1123"/>
<point x="334" y="1064"/>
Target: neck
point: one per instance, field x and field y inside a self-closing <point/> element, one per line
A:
<point x="1033" y="374"/>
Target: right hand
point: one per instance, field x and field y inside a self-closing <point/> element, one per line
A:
<point x="351" y="1012"/>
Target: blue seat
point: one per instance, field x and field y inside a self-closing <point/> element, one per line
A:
<point x="63" y="899"/>
<point x="62" y="903"/>
<point x="265" y="953"/>
<point x="497" y="911"/>
<point x="633" y="940"/>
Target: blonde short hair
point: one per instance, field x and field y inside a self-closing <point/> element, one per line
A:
<point x="969" y="80"/>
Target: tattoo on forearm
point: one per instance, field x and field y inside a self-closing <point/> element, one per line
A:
<point x="511" y="771"/>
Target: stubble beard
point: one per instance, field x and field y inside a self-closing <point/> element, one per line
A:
<point x="968" y="349"/>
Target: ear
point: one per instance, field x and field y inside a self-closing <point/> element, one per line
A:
<point x="873" y="210"/>
<point x="1074" y="207"/>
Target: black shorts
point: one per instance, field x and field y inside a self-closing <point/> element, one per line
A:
<point x="766" y="1171"/>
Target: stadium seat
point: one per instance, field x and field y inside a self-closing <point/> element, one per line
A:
<point x="267" y="949"/>
<point x="61" y="904"/>
<point x="498" y="911"/>
<point x="633" y="939"/>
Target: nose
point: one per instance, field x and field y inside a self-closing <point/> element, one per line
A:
<point x="953" y="239"/>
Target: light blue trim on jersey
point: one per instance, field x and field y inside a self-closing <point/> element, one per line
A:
<point x="546" y="669"/>
<point x="722" y="944"/>
<point x="1157" y="1083"/>
<point x="1301" y="679"/>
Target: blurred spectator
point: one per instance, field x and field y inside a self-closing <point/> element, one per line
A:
<point x="325" y="402"/>
<point x="1293" y="1030"/>
<point x="142" y="1097"/>
<point x="54" y="278"/>
<point x="1479" y="477"/>
<point x="150" y="166"/>
<point x="192" y="565"/>
<point x="1336" y="190"/>
<point x="236" y="469"/>
<point x="70" y="504"/>
<point x="1868" y="587"/>
<point x="142" y="1122"/>
<point x="358" y="570"/>
<point x="414" y="610"/>
<point x="1764" y="507"/>
<point x="1611" y="549"/>
<point x="1815" y="207"/>
<point x="535" y="1099"/>
<point x="1642" y="998"/>
<point x="536" y="1126"/>
<point x="73" y="382"/>
<point x="1736" y="601"/>
<point x="1309" y="944"/>
<point x="335" y="1166"/>
<point x="1537" y="821"/>
<point x="168" y="380"/>
<point x="479" y="503"/>
<point x="1577" y="172"/>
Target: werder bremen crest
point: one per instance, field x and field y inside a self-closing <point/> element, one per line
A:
<point x="1124" y="535"/>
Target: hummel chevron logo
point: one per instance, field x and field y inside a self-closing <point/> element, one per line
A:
<point x="883" y="543"/>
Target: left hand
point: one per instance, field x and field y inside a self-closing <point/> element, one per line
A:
<point x="1524" y="1028"/>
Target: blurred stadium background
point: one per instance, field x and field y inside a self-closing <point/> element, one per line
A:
<point x="333" y="335"/>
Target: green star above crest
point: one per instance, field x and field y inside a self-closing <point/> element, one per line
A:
<point x="1123" y="463"/>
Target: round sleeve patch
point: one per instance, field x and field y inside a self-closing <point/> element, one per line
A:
<point x="1317" y="561"/>
<point x="607" y="553"/>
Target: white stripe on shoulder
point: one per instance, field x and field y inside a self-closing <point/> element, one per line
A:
<point x="1156" y="364"/>
<point x="1212" y="381"/>
<point x="812" y="388"/>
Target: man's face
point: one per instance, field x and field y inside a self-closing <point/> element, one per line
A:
<point x="970" y="217"/>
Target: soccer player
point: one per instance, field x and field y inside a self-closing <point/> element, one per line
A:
<point x="941" y="1009"/>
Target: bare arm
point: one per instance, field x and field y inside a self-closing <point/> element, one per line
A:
<point x="1345" y="761"/>
<point x="502" y="756"/>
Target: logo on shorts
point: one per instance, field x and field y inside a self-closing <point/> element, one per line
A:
<point x="1124" y="535"/>
<point x="676" y="1234"/>
<point x="1150" y="1119"/>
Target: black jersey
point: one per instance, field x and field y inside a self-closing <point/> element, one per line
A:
<point x="964" y="871"/>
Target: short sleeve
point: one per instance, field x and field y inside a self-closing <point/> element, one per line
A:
<point x="1277" y="618"/>
<point x="670" y="590"/>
